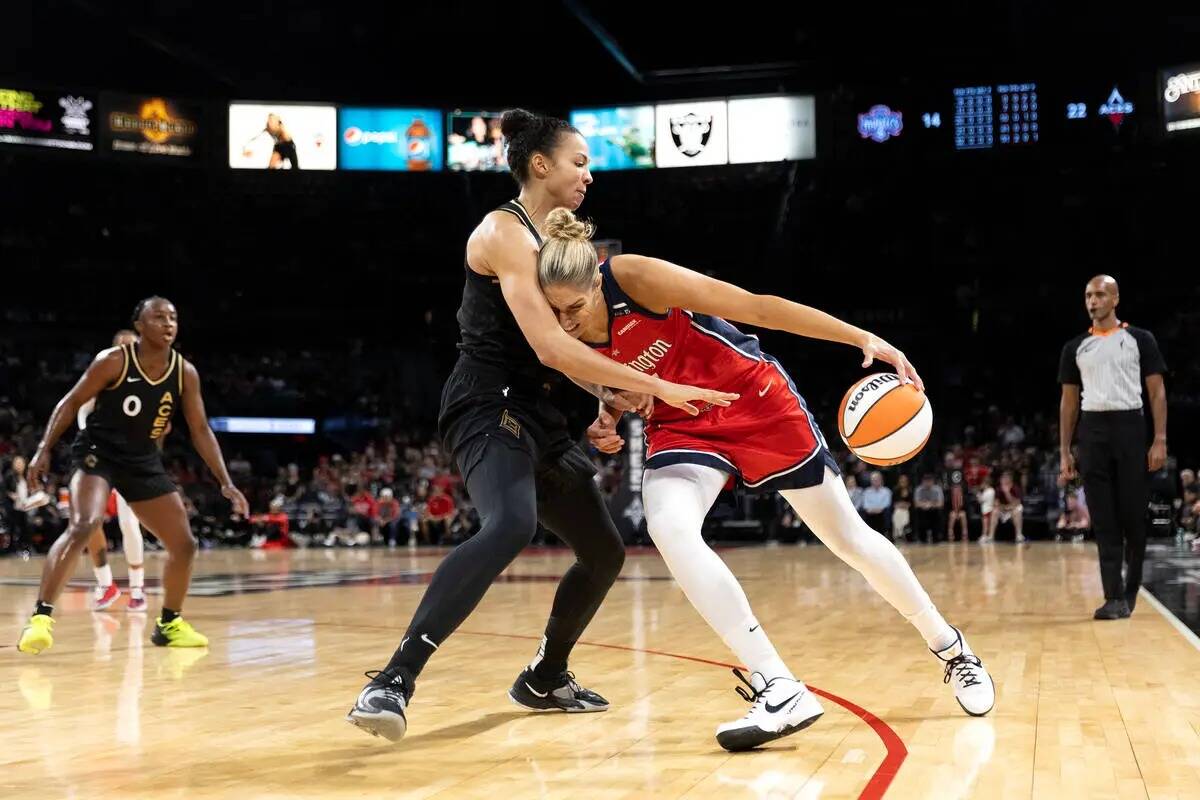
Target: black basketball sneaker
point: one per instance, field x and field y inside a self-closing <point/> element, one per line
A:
<point x="380" y="707"/>
<point x="561" y="693"/>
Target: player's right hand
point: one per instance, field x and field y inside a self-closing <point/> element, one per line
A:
<point x="681" y="396"/>
<point x="603" y="433"/>
<point x="638" y="403"/>
<point x="236" y="499"/>
<point x="36" y="471"/>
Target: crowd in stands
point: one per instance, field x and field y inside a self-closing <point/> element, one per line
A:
<point x="1001" y="481"/>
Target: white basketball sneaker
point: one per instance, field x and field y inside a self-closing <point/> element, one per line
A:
<point x="973" y="687"/>
<point x="780" y="706"/>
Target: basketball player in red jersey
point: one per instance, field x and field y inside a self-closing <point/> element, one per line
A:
<point x="669" y="321"/>
<point x="521" y="466"/>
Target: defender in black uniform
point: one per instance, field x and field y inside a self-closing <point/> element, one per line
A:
<point x="137" y="388"/>
<point x="511" y="444"/>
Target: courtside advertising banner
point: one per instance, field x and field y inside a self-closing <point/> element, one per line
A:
<point x="404" y="139"/>
<point x="145" y="125"/>
<point x="1181" y="99"/>
<point x="63" y="120"/>
<point x="282" y="136"/>
<point x="691" y="134"/>
<point x="618" y="138"/>
<point x="772" y="129"/>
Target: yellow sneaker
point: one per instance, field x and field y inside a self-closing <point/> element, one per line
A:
<point x="37" y="635"/>
<point x="177" y="633"/>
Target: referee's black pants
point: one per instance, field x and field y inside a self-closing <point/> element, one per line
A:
<point x="1112" y="462"/>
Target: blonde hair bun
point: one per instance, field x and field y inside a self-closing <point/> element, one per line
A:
<point x="562" y="224"/>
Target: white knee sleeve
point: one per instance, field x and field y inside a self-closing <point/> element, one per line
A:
<point x="676" y="499"/>
<point x="828" y="511"/>
<point x="131" y="532"/>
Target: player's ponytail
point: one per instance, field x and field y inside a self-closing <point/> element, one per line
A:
<point x="567" y="255"/>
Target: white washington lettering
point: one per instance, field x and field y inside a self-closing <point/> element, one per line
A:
<point x="650" y="356"/>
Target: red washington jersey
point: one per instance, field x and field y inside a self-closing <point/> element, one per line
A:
<point x="767" y="438"/>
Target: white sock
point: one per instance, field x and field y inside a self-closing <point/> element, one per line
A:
<point x="828" y="512"/>
<point x="103" y="575"/>
<point x="676" y="499"/>
<point x="937" y="632"/>
<point x="137" y="579"/>
<point x="752" y="647"/>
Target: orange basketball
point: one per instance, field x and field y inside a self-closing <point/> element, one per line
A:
<point x="883" y="421"/>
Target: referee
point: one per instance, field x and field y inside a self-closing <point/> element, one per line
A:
<point x="1108" y="364"/>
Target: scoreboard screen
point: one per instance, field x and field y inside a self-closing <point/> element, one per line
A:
<point x="1003" y="115"/>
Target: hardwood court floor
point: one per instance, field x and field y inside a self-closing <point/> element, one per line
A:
<point x="1084" y="709"/>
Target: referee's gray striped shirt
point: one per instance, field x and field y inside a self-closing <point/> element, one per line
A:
<point x="1111" y="366"/>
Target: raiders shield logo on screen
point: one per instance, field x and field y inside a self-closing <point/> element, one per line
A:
<point x="690" y="133"/>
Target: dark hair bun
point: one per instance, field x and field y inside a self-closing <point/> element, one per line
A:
<point x="517" y="121"/>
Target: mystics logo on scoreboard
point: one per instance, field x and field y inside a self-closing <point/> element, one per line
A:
<point x="880" y="123"/>
<point x="153" y="126"/>
<point x="1181" y="98"/>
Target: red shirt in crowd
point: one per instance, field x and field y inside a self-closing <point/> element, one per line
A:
<point x="389" y="509"/>
<point x="1010" y="496"/>
<point x="976" y="473"/>
<point x="364" y="505"/>
<point x="439" y="506"/>
<point x="274" y="518"/>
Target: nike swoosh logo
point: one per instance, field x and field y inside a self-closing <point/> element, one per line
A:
<point x="403" y="642"/>
<point x="773" y="709"/>
<point x="766" y="389"/>
<point x="134" y="380"/>
<point x="428" y="641"/>
<point x="535" y="691"/>
<point x="752" y="630"/>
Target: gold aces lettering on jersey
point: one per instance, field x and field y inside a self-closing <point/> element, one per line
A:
<point x="166" y="408"/>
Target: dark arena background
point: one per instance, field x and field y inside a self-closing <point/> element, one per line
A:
<point x="948" y="177"/>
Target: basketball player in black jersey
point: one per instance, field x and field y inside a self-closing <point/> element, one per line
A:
<point x="511" y="443"/>
<point x="137" y="388"/>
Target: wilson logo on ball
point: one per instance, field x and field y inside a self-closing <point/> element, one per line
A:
<point x="884" y="421"/>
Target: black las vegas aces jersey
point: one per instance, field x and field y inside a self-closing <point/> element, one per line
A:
<point x="132" y="414"/>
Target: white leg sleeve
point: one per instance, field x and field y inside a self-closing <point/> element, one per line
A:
<point x="131" y="532"/>
<point x="676" y="499"/>
<point x="827" y="510"/>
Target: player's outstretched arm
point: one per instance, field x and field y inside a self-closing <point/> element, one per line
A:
<point x="515" y="265"/>
<point x="205" y="442"/>
<point x="655" y="283"/>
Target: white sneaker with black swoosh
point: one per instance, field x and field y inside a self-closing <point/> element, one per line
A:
<point x="560" y="694"/>
<point x="779" y="707"/>
<point x="973" y="686"/>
